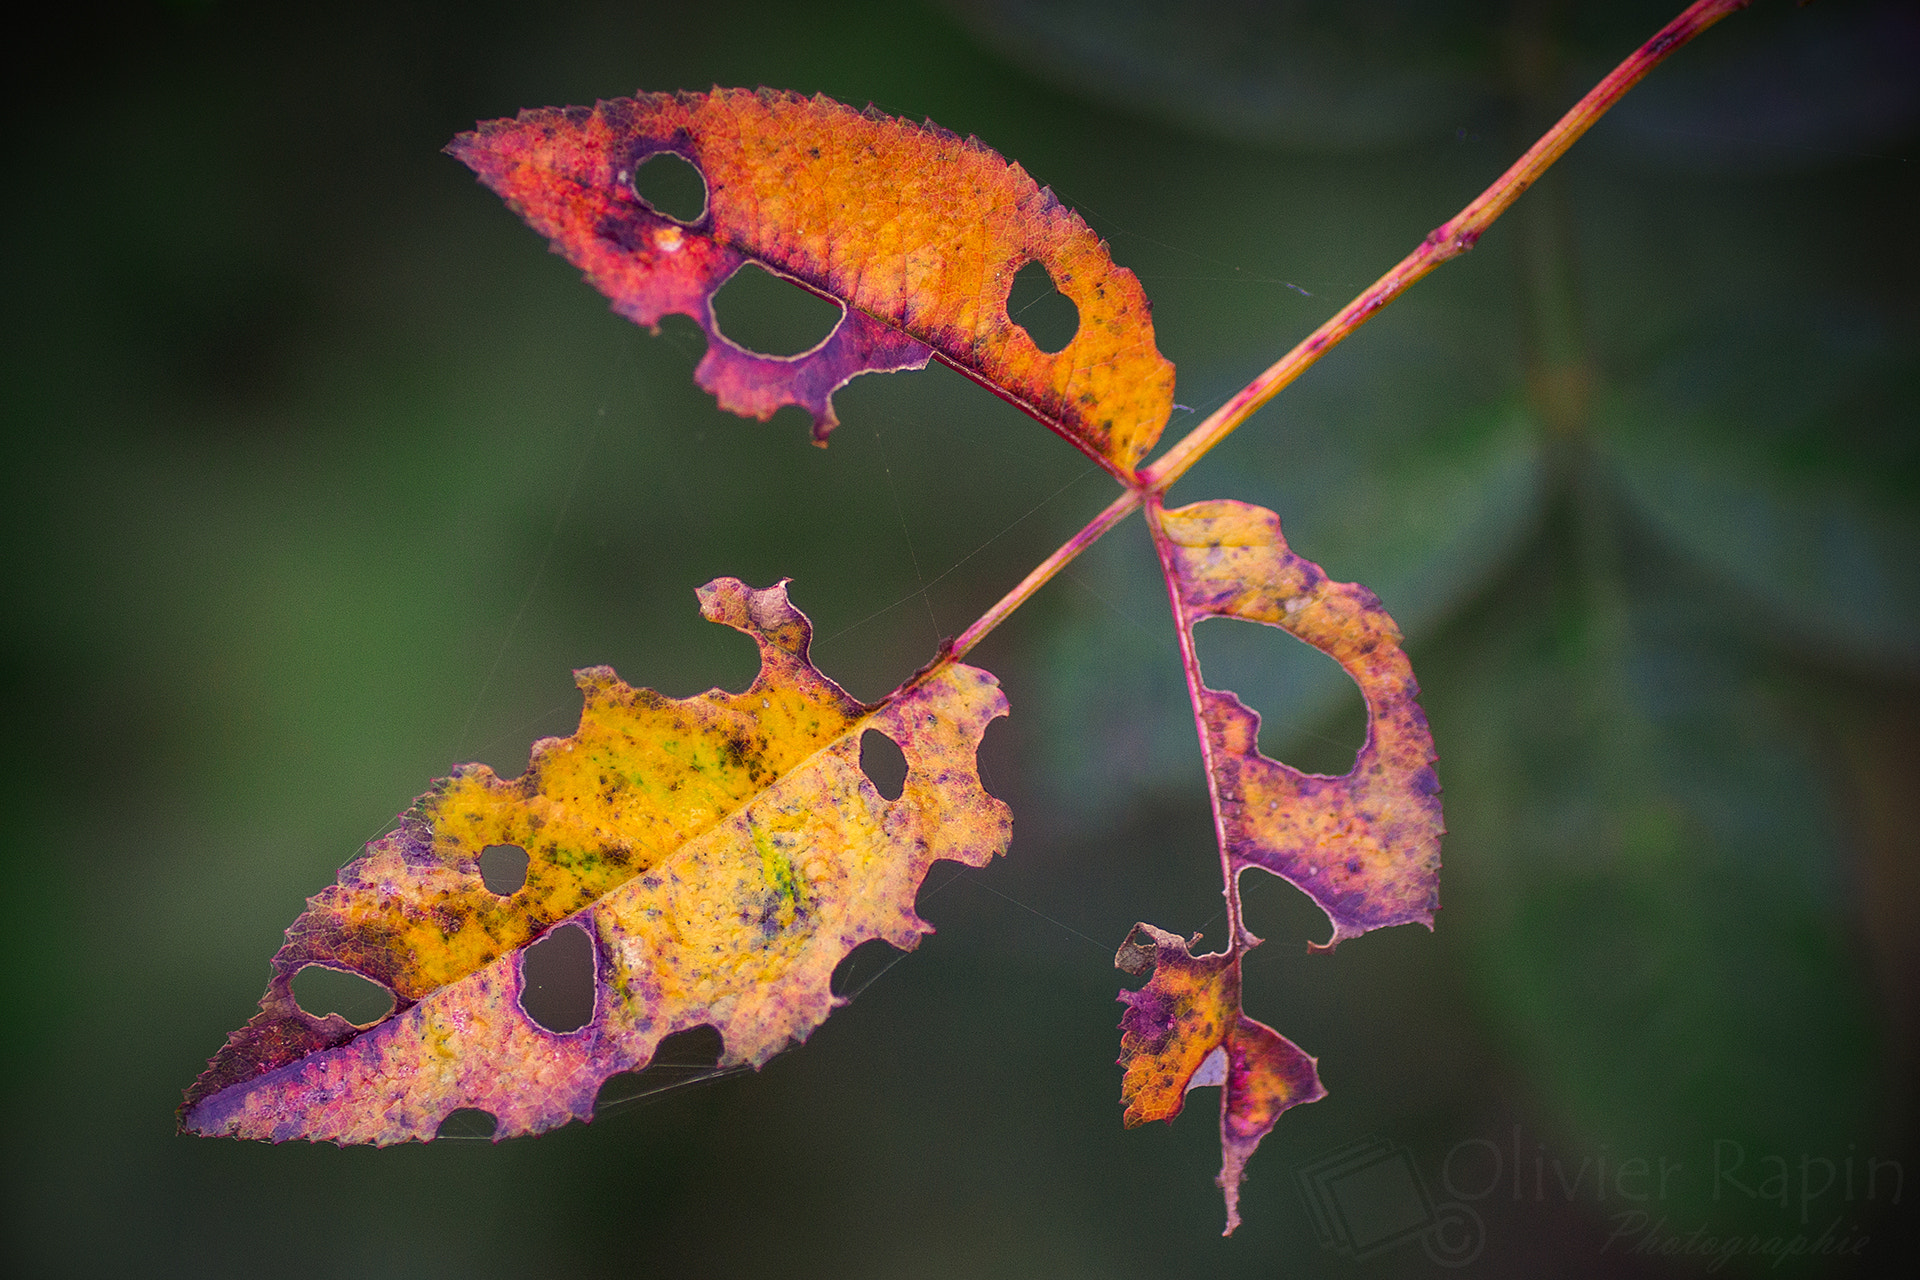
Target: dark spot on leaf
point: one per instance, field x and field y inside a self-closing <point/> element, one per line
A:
<point x="503" y="868"/>
<point x="557" y="979"/>
<point x="623" y="230"/>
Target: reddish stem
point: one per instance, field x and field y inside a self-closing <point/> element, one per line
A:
<point x="1237" y="936"/>
<point x="1447" y="241"/>
<point x="1116" y="511"/>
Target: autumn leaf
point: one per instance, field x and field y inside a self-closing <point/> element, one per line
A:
<point x="1364" y="846"/>
<point x="917" y="232"/>
<point x="1186" y="1029"/>
<point x="723" y="853"/>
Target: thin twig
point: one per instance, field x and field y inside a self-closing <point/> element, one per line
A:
<point x="1449" y="240"/>
<point x="1116" y="511"/>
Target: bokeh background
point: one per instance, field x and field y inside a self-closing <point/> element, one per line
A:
<point x="321" y="474"/>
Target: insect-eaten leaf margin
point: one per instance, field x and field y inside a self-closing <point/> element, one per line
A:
<point x="1365" y="846"/>
<point x="724" y="852"/>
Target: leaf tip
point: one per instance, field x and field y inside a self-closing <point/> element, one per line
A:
<point x="1185" y="1030"/>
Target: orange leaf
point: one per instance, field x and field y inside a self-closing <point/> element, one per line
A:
<point x="722" y="852"/>
<point x="917" y="232"/>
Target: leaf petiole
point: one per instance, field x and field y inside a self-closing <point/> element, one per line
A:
<point x="1238" y="939"/>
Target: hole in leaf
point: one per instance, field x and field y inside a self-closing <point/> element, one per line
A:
<point x="467" y="1122"/>
<point x="997" y="757"/>
<point x="1276" y="909"/>
<point x="884" y="764"/>
<point x="772" y="315"/>
<point x="695" y="1047"/>
<point x="1048" y="315"/>
<point x="1311" y="714"/>
<point x="682" y="1058"/>
<point x="503" y="868"/>
<point x="320" y="991"/>
<point x="860" y="967"/>
<point x="671" y="185"/>
<point x="557" y="980"/>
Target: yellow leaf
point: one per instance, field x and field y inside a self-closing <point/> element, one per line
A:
<point x="723" y="852"/>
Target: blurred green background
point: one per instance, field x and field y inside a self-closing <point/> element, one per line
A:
<point x="322" y="474"/>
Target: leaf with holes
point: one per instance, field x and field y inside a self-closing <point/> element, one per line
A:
<point x="715" y="857"/>
<point x="1364" y="846"/>
<point x="1186" y="1029"/>
<point x="722" y="853"/>
<point x="918" y="233"/>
